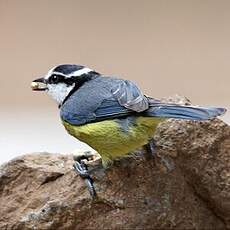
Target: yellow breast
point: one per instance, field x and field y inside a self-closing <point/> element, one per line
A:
<point x="115" y="138"/>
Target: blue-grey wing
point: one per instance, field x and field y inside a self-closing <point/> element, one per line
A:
<point x="127" y="99"/>
<point x="130" y="96"/>
<point x="111" y="109"/>
<point x="108" y="109"/>
<point x="105" y="99"/>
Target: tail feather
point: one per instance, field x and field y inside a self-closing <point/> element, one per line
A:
<point x="184" y="112"/>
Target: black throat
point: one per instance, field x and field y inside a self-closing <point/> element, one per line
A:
<point x="79" y="82"/>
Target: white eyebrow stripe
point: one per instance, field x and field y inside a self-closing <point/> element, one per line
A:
<point x="58" y="73"/>
<point x="50" y="72"/>
<point x="80" y="72"/>
<point x="75" y="73"/>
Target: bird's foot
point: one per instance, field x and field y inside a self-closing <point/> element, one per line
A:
<point x="81" y="168"/>
<point x="84" y="155"/>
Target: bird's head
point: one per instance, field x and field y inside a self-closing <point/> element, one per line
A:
<point x="63" y="80"/>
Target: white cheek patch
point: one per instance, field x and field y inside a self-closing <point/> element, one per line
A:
<point x="59" y="91"/>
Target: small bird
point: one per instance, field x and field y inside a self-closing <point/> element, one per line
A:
<point x="111" y="115"/>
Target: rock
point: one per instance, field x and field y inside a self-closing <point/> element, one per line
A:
<point x="185" y="186"/>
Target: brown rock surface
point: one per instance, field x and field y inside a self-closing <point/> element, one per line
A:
<point x="186" y="186"/>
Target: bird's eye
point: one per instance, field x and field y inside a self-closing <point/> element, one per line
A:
<point x="54" y="79"/>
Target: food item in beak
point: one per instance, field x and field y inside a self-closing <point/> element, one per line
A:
<point x="39" y="85"/>
<point x="34" y="85"/>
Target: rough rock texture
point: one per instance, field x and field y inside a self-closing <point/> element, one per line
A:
<point x="185" y="186"/>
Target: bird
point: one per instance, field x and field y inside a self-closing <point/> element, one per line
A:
<point x="108" y="113"/>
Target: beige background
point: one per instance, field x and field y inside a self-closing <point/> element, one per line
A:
<point x="166" y="46"/>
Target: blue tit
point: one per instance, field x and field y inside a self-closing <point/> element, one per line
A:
<point x="109" y="114"/>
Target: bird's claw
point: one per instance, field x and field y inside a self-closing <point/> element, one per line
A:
<point x="81" y="168"/>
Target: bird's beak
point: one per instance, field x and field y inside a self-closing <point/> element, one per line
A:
<point x="39" y="84"/>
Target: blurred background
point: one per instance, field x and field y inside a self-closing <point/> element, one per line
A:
<point x="167" y="47"/>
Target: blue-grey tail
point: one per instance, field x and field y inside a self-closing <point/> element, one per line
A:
<point x="183" y="112"/>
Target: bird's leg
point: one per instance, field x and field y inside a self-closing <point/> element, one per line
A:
<point x="81" y="155"/>
<point x="81" y="168"/>
<point x="150" y="149"/>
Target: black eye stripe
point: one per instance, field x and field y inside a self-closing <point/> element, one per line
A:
<point x="70" y="80"/>
<point x="56" y="78"/>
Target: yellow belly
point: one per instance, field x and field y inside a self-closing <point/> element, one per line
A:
<point x="110" y="139"/>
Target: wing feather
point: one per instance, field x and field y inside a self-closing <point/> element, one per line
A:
<point x="130" y="96"/>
